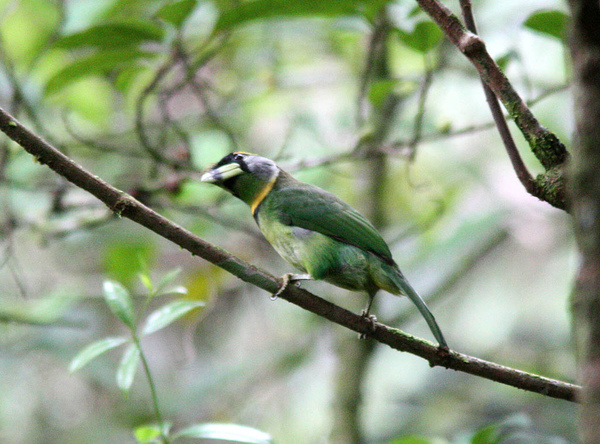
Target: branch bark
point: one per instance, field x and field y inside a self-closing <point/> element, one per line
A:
<point x="585" y="196"/>
<point x="545" y="145"/>
<point x="126" y="206"/>
<point x="509" y="143"/>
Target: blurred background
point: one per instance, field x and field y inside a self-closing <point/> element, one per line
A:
<point x="365" y="99"/>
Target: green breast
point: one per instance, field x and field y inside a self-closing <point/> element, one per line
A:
<point x="321" y="256"/>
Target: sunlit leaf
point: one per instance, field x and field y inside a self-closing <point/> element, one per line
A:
<point x="265" y="9"/>
<point x="147" y="433"/>
<point x="94" y="350"/>
<point x="127" y="367"/>
<point x="424" y="37"/>
<point x="145" y="279"/>
<point x="119" y="300"/>
<point x="113" y="35"/>
<point x="177" y="289"/>
<point x="167" y="279"/>
<point x="97" y="63"/>
<point x="226" y="432"/>
<point x="552" y="23"/>
<point x="177" y="12"/>
<point x="168" y="314"/>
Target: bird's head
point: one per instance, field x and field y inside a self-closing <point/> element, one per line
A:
<point x="244" y="175"/>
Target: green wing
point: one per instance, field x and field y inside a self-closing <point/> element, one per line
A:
<point x="312" y="208"/>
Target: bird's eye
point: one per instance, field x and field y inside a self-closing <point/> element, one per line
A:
<point x="238" y="157"/>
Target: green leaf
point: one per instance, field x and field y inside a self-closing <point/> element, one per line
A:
<point x="177" y="12"/>
<point x="125" y="259"/>
<point x="101" y="62"/>
<point x="380" y="89"/>
<point x="119" y="301"/>
<point x="552" y="23"/>
<point x="487" y="435"/>
<point x="43" y="311"/>
<point x="167" y="279"/>
<point x="177" y="289"/>
<point x="226" y="432"/>
<point x="505" y="59"/>
<point x="113" y="35"/>
<point x="94" y="350"/>
<point x="145" y="279"/>
<point x="168" y="314"/>
<point x="127" y="367"/>
<point x="264" y="9"/>
<point x="410" y="440"/>
<point x="424" y="37"/>
<point x="147" y="433"/>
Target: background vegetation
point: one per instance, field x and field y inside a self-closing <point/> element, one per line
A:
<point x="372" y="104"/>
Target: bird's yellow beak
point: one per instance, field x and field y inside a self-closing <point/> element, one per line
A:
<point x="222" y="173"/>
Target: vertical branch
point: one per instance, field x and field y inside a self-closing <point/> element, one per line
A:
<point x="355" y="355"/>
<point x="420" y="114"/>
<point x="585" y="197"/>
<point x="507" y="139"/>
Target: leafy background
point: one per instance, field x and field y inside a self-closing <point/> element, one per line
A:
<point x="148" y="93"/>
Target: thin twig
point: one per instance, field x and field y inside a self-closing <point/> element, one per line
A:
<point x="420" y="114"/>
<point x="509" y="143"/>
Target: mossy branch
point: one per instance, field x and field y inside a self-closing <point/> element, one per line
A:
<point x="544" y="144"/>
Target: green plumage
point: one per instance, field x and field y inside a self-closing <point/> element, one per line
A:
<point x="316" y="231"/>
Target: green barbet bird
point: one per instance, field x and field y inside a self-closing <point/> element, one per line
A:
<point x="315" y="231"/>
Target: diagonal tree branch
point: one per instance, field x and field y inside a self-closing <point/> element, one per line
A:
<point x="544" y="144"/>
<point x="509" y="143"/>
<point x="126" y="206"/>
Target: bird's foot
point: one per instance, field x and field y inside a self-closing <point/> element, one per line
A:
<point x="286" y="279"/>
<point x="371" y="319"/>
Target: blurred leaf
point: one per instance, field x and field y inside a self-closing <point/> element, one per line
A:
<point x="226" y="432"/>
<point x="202" y="284"/>
<point x="505" y="59"/>
<point x="127" y="367"/>
<point x="130" y="76"/>
<point x="515" y="428"/>
<point x="43" y="311"/>
<point x="94" y="350"/>
<point x="553" y="23"/>
<point x="119" y="300"/>
<point x="26" y="30"/>
<point x="177" y="289"/>
<point x="123" y="259"/>
<point x="146" y="281"/>
<point x="425" y="36"/>
<point x="379" y="90"/>
<point x="147" y="433"/>
<point x="416" y="10"/>
<point x="113" y="35"/>
<point x="264" y="9"/>
<point x="100" y="62"/>
<point x="167" y="279"/>
<point x="168" y="314"/>
<point x="177" y="12"/>
<point x="411" y="440"/>
<point x="487" y="435"/>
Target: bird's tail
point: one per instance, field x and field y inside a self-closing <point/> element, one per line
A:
<point x="405" y="288"/>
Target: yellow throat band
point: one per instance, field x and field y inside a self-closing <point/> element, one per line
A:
<point x="266" y="190"/>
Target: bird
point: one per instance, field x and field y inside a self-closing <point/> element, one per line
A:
<point x="315" y="231"/>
